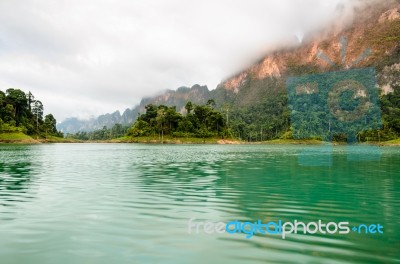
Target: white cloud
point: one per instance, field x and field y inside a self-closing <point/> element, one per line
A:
<point x="85" y="58"/>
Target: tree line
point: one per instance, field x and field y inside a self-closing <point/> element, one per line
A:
<point x="158" y="121"/>
<point x="21" y="112"/>
<point x="104" y="133"/>
<point x="270" y="119"/>
<point x="201" y="121"/>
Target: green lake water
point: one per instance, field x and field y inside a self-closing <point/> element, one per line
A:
<point x="131" y="203"/>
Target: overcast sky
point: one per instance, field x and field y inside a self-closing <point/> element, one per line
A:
<point x="84" y="58"/>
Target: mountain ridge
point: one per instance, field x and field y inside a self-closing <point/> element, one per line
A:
<point x="197" y="94"/>
<point x="375" y="25"/>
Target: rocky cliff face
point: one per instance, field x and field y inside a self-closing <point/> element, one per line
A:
<point x="375" y="27"/>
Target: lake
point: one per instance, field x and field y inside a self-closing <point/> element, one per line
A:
<point x="131" y="203"/>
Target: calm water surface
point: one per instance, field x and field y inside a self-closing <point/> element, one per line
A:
<point x="130" y="203"/>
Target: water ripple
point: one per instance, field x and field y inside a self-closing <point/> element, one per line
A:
<point x="102" y="203"/>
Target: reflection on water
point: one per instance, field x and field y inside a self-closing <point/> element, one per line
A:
<point x="16" y="171"/>
<point x="102" y="203"/>
<point x="15" y="176"/>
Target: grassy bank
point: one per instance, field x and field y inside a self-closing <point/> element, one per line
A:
<point x="395" y="142"/>
<point x="16" y="137"/>
<point x="172" y="140"/>
<point x="21" y="138"/>
<point x="293" y="142"/>
<point x="52" y="139"/>
<point x="193" y="140"/>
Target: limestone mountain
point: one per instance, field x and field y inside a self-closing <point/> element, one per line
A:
<point x="374" y="27"/>
<point x="197" y="94"/>
<point x="255" y="99"/>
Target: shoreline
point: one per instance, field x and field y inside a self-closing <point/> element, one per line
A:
<point x="19" y="138"/>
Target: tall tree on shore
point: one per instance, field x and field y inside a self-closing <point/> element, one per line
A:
<point x="17" y="99"/>
<point x="31" y="99"/>
<point x="161" y="120"/>
<point x="50" y="124"/>
<point x="37" y="112"/>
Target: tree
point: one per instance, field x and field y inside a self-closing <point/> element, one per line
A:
<point x="203" y="122"/>
<point x="31" y="99"/>
<point x="161" y="120"/>
<point x="211" y="103"/>
<point x="140" y="128"/>
<point x="189" y="107"/>
<point x="21" y="112"/>
<point x="8" y="113"/>
<point x="151" y="113"/>
<point x="2" y="98"/>
<point x="172" y="119"/>
<point x="17" y="99"/>
<point x="37" y="112"/>
<point x="50" y="124"/>
<point x="117" y="131"/>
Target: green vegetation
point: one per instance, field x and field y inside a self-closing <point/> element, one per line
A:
<point x="15" y="137"/>
<point x="390" y="106"/>
<point x="201" y="121"/>
<point x="294" y="142"/>
<point x="270" y="120"/>
<point x="166" y="140"/>
<point x="53" y="139"/>
<point x="163" y="124"/>
<point x="395" y="142"/>
<point x="267" y="120"/>
<point x="105" y="133"/>
<point x="22" y="115"/>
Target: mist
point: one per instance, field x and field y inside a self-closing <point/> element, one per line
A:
<point x="85" y="58"/>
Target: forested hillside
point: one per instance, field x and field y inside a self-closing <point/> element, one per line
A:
<point x="200" y="121"/>
<point x="21" y="112"/>
<point x="255" y="101"/>
<point x="258" y="95"/>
